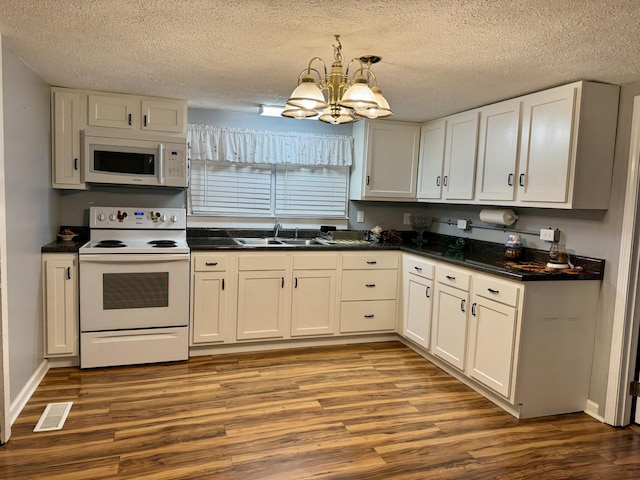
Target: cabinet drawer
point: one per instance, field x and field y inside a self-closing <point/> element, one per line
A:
<point x="210" y="263"/>
<point x="367" y="316"/>
<point x="418" y="267"/>
<point x="262" y="262"/>
<point x="369" y="285"/>
<point x="453" y="277"/>
<point x="315" y="262"/>
<point x="500" y="291"/>
<point x="370" y="261"/>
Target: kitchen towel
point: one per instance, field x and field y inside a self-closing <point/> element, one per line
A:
<point x="498" y="216"/>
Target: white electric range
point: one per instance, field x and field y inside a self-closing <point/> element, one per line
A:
<point x="134" y="287"/>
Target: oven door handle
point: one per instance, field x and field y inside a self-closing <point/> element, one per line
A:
<point x="161" y="163"/>
<point x="132" y="257"/>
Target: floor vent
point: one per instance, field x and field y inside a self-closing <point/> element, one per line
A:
<point x="53" y="417"/>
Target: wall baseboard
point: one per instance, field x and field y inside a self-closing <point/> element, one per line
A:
<point x="592" y="408"/>
<point x="27" y="391"/>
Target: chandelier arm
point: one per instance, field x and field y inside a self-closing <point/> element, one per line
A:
<point x="361" y="67"/>
<point x="323" y="79"/>
<point x="307" y="71"/>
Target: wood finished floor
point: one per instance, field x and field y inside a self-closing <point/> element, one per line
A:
<point x="370" y="411"/>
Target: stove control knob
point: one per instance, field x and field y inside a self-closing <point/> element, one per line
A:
<point x="101" y="217"/>
<point x="163" y="218"/>
<point x="113" y="217"/>
<point x="174" y="218"/>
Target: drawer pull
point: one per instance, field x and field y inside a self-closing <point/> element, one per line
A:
<point x="495" y="292"/>
<point x="428" y="292"/>
<point x="510" y="180"/>
<point x="223" y="284"/>
<point x="418" y="268"/>
<point x="449" y="277"/>
<point x="282" y="285"/>
<point x="68" y="273"/>
<point x="130" y="122"/>
<point x="438" y="181"/>
<point x="296" y="283"/>
<point x="370" y="285"/>
<point x="521" y="180"/>
<point x="463" y="303"/>
<point x="211" y="264"/>
<point x="445" y="180"/>
<point x="372" y="262"/>
<point x="473" y="309"/>
<point x="369" y="316"/>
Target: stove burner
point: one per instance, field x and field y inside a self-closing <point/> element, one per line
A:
<point x="111" y="244"/>
<point x="163" y="243"/>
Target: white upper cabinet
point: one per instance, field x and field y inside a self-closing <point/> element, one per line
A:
<point x="385" y="160"/>
<point x="164" y="116"/>
<point x="567" y="143"/>
<point x="431" y="160"/>
<point x="460" y="156"/>
<point x="114" y="111"/>
<point x="498" y="151"/>
<point x="65" y="139"/>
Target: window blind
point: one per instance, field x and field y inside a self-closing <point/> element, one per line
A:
<point x="303" y="191"/>
<point x="222" y="188"/>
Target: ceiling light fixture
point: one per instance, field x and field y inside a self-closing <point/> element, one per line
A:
<point x="347" y="98"/>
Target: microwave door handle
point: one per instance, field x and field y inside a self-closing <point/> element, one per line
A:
<point x="161" y="164"/>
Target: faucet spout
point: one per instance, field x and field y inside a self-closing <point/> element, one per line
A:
<point x="276" y="228"/>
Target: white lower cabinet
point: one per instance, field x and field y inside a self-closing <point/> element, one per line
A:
<point x="451" y="315"/>
<point x="60" y="287"/>
<point x="492" y="333"/>
<point x="418" y="298"/>
<point x="211" y="294"/>
<point x="369" y="292"/>
<point x="263" y="297"/>
<point x="527" y="346"/>
<point x="313" y="299"/>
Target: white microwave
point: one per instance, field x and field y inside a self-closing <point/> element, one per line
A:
<point x="127" y="159"/>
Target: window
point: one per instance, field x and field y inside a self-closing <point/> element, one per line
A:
<point x="258" y="190"/>
<point x="254" y="173"/>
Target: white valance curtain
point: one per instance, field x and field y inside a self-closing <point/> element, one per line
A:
<point x="212" y="143"/>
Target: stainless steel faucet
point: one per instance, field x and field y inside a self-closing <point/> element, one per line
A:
<point x="276" y="228"/>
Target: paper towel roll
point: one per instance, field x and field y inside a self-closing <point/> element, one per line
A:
<point x="498" y="216"/>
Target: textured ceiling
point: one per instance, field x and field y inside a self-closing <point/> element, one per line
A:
<point x="438" y="57"/>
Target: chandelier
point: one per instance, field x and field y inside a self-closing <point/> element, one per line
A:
<point x="348" y="98"/>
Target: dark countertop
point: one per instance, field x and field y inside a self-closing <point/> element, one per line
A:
<point x="482" y="258"/>
<point x="485" y="257"/>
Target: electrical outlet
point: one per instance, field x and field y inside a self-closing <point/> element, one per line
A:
<point x="463" y="224"/>
<point x="407" y="219"/>
<point x="550" y="234"/>
<point x="360" y="216"/>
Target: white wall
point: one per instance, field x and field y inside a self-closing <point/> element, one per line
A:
<point x="31" y="212"/>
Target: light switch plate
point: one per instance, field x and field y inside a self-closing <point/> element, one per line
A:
<point x="360" y="216"/>
<point x="463" y="224"/>
<point x="407" y="219"/>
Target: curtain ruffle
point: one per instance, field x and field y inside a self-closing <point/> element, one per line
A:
<point x="209" y="142"/>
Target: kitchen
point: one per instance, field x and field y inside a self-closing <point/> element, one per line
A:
<point x="34" y="212"/>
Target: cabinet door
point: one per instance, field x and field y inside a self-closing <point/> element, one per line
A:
<point x="114" y="111"/>
<point x="497" y="151"/>
<point x="262" y="310"/>
<point x="161" y="116"/>
<point x="417" y="312"/>
<point x="431" y="160"/>
<point x="449" y="341"/>
<point x="209" y="311"/>
<point x="313" y="302"/>
<point x="492" y="335"/>
<point x="546" y="145"/>
<point x="460" y="156"/>
<point x="61" y="306"/>
<point x="392" y="160"/>
<point x="66" y="139"/>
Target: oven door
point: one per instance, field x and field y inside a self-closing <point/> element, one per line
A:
<point x="133" y="291"/>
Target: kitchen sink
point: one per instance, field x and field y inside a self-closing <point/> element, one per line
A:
<point x="277" y="241"/>
<point x="257" y="242"/>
